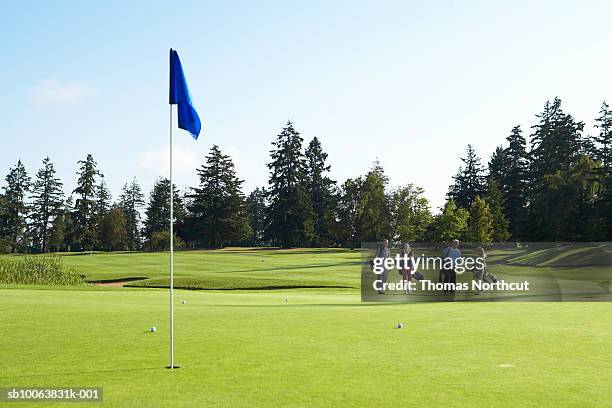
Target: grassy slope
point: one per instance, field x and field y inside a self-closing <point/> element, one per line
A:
<point x="600" y="255"/>
<point x="229" y="268"/>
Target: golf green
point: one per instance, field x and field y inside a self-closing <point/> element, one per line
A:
<point x="321" y="347"/>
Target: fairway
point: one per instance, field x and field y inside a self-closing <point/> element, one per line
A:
<point x="231" y="268"/>
<point x="320" y="348"/>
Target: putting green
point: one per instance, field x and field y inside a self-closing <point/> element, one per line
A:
<point x="321" y="348"/>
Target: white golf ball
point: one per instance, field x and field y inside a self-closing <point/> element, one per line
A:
<point x="286" y="300"/>
<point x="400" y="325"/>
<point x="153" y="329"/>
<point x="184" y="302"/>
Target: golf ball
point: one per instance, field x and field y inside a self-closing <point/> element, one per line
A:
<point x="400" y="325"/>
<point x="184" y="302"/>
<point x="153" y="329"/>
<point x="286" y="300"/>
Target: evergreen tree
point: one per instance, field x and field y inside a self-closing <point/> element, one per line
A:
<point x="113" y="230"/>
<point x="496" y="202"/>
<point x="469" y="181"/>
<point x="349" y="211"/>
<point x="377" y="168"/>
<point x="410" y="213"/>
<point x="69" y="226"/>
<point x="574" y="192"/>
<point x="15" y="221"/>
<point x="131" y="201"/>
<point x="6" y="242"/>
<point x="58" y="232"/>
<point x="157" y="214"/>
<point x="46" y="204"/>
<point x="85" y="204"/>
<point x="320" y="190"/>
<point x="290" y="217"/>
<point x="480" y="223"/>
<point x="218" y="208"/>
<point x="103" y="200"/>
<point x="375" y="214"/>
<point x="498" y="165"/>
<point x="556" y="142"/>
<point x="556" y="145"/>
<point x="603" y="141"/>
<point x="514" y="185"/>
<point x="256" y="203"/>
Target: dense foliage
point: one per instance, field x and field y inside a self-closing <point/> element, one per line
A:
<point x="555" y="184"/>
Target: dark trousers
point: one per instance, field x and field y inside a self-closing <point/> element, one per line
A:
<point x="448" y="276"/>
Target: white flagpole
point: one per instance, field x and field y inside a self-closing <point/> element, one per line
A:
<point x="171" y="253"/>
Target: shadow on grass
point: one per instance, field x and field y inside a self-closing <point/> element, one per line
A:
<point x="279" y="287"/>
<point x="118" y="280"/>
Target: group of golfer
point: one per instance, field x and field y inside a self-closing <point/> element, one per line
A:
<point x="448" y="273"/>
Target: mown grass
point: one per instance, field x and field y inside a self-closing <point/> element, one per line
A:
<point x="241" y="268"/>
<point x="320" y="348"/>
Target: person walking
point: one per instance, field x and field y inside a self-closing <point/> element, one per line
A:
<point x="407" y="266"/>
<point x="448" y="274"/>
<point x="384" y="253"/>
<point x="480" y="268"/>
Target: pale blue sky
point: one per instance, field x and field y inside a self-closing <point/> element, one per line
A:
<point x="408" y="82"/>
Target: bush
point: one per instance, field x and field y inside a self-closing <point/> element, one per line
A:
<point x="160" y="241"/>
<point x="38" y="270"/>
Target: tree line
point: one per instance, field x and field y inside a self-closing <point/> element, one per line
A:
<point x="556" y="187"/>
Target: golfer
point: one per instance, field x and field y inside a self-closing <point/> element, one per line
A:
<point x="383" y="252"/>
<point x="451" y="255"/>
<point x="480" y="268"/>
<point x="408" y="266"/>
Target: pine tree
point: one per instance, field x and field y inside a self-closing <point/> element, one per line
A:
<point x="103" y="200"/>
<point x="256" y="203"/>
<point x="58" y="232"/>
<point x="498" y="165"/>
<point x="514" y="185"/>
<point x="218" y="211"/>
<point x="85" y="204"/>
<point x="46" y="204"/>
<point x="320" y="190"/>
<point x="556" y="144"/>
<point x="375" y="214"/>
<point x="131" y="201"/>
<point x="290" y="216"/>
<point x="377" y="168"/>
<point x="496" y="202"/>
<point x="480" y="223"/>
<point x="469" y="181"/>
<point x="574" y="192"/>
<point x="69" y="225"/>
<point x="15" y="224"/>
<point x="349" y="212"/>
<point x="157" y="214"/>
<point x="603" y="151"/>
<point x="113" y="230"/>
<point x="6" y="242"/>
<point x="557" y="140"/>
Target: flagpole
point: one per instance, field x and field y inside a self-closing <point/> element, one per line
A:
<point x="171" y="253"/>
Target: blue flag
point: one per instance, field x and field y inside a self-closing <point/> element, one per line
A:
<point x="188" y="118"/>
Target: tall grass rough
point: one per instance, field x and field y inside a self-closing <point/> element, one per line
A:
<point x="38" y="270"/>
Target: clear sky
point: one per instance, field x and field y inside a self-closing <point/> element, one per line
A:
<point x="408" y="82"/>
